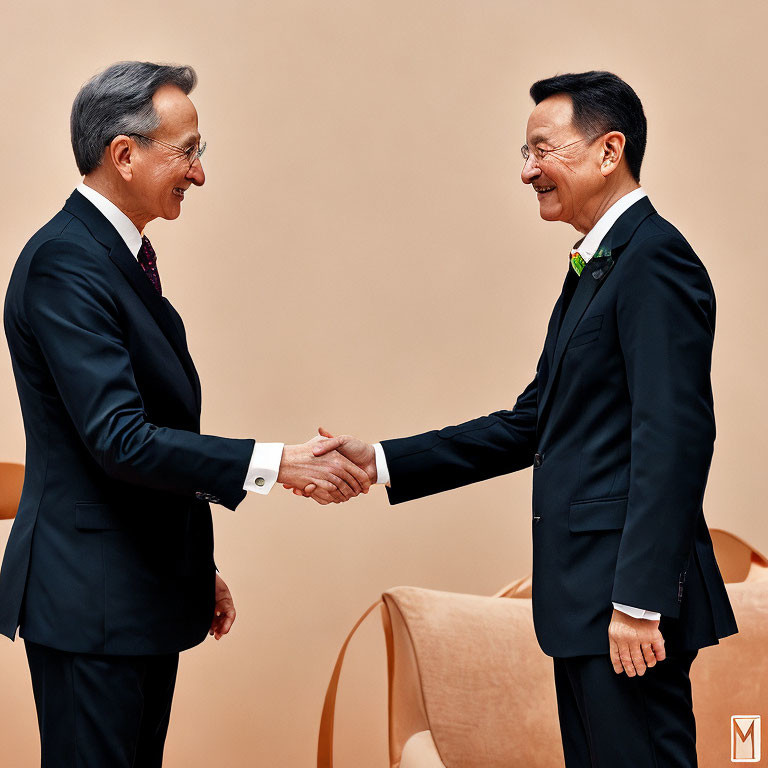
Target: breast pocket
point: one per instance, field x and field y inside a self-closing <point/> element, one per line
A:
<point x="99" y="517"/>
<point x="586" y="331"/>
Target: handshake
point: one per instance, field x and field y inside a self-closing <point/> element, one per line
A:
<point x="328" y="469"/>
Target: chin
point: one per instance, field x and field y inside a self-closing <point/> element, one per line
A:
<point x="172" y="214"/>
<point x="549" y="215"/>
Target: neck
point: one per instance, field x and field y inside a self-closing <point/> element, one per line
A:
<point x="592" y="212"/>
<point x="116" y="195"/>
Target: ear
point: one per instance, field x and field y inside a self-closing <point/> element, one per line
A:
<point x="611" y="151"/>
<point x="119" y="152"/>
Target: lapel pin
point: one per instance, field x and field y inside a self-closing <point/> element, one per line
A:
<point x="602" y="261"/>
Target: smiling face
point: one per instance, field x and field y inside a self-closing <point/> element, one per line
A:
<point x="564" y="166"/>
<point x="162" y="174"/>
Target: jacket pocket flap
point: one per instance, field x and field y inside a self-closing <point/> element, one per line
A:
<point x="583" y="338"/>
<point x="594" y="323"/>
<point x="91" y="516"/>
<point x="597" y="515"/>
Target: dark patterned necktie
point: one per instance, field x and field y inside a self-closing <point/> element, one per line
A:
<point x="148" y="262"/>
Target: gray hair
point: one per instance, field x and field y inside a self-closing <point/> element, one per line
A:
<point x="119" y="101"/>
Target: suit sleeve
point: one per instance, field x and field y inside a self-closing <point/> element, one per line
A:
<point x="441" y="460"/>
<point x="666" y="324"/>
<point x="76" y="323"/>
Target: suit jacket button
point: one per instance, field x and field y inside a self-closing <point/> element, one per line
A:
<point x="537" y="460"/>
<point x="259" y="481"/>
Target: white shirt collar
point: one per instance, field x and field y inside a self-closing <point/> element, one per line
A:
<point x="124" y="226"/>
<point x="588" y="245"/>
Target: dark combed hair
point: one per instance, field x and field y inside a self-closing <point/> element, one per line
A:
<point x="602" y="102"/>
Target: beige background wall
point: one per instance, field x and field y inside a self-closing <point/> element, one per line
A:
<point x="364" y="256"/>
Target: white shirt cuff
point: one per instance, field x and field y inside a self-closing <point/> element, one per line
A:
<point x="382" y="471"/>
<point x="637" y="613"/>
<point x="264" y="467"/>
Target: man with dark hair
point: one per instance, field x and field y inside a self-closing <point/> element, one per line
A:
<point x="619" y="427"/>
<point x="601" y="102"/>
<point x="109" y="567"/>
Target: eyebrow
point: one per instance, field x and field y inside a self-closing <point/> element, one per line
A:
<point x="189" y="138"/>
<point x="537" y="137"/>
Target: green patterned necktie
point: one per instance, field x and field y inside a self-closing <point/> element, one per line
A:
<point x="577" y="262"/>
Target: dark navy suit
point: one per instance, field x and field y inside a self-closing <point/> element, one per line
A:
<point x="111" y="553"/>
<point x="618" y="424"/>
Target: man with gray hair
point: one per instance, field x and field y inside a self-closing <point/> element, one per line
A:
<point x="109" y="569"/>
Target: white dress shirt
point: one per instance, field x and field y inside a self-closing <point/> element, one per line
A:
<point x="587" y="247"/>
<point x="265" y="459"/>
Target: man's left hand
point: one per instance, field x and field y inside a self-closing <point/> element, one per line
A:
<point x="635" y="643"/>
<point x="224" y="613"/>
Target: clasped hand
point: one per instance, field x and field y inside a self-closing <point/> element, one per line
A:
<point x="328" y="469"/>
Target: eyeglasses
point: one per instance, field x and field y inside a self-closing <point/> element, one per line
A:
<point x="540" y="154"/>
<point x="191" y="154"/>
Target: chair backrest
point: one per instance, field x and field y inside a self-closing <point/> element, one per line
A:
<point x="468" y="670"/>
<point x="737" y="560"/>
<point x="11" y="482"/>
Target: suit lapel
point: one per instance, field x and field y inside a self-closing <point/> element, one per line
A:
<point x="571" y="279"/>
<point x="592" y="277"/>
<point x="585" y="292"/>
<point x="126" y="262"/>
<point x="157" y="306"/>
<point x="182" y="333"/>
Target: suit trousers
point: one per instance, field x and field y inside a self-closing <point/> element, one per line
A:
<point x="610" y="720"/>
<point x="96" y="710"/>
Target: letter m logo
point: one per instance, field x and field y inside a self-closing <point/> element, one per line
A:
<point x="745" y="738"/>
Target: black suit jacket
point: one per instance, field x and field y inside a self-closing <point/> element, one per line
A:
<point x="112" y="547"/>
<point x="619" y="425"/>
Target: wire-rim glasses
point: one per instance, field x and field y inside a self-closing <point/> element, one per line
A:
<point x="191" y="154"/>
<point x="540" y="153"/>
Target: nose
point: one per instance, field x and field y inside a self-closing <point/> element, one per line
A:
<point x="196" y="174"/>
<point x="530" y="170"/>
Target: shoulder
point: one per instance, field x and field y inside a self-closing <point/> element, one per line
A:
<point x="65" y="244"/>
<point x="69" y="265"/>
<point x="659" y="252"/>
<point x="61" y="264"/>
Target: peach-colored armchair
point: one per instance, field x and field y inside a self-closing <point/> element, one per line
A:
<point x="11" y="481"/>
<point x="470" y="688"/>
